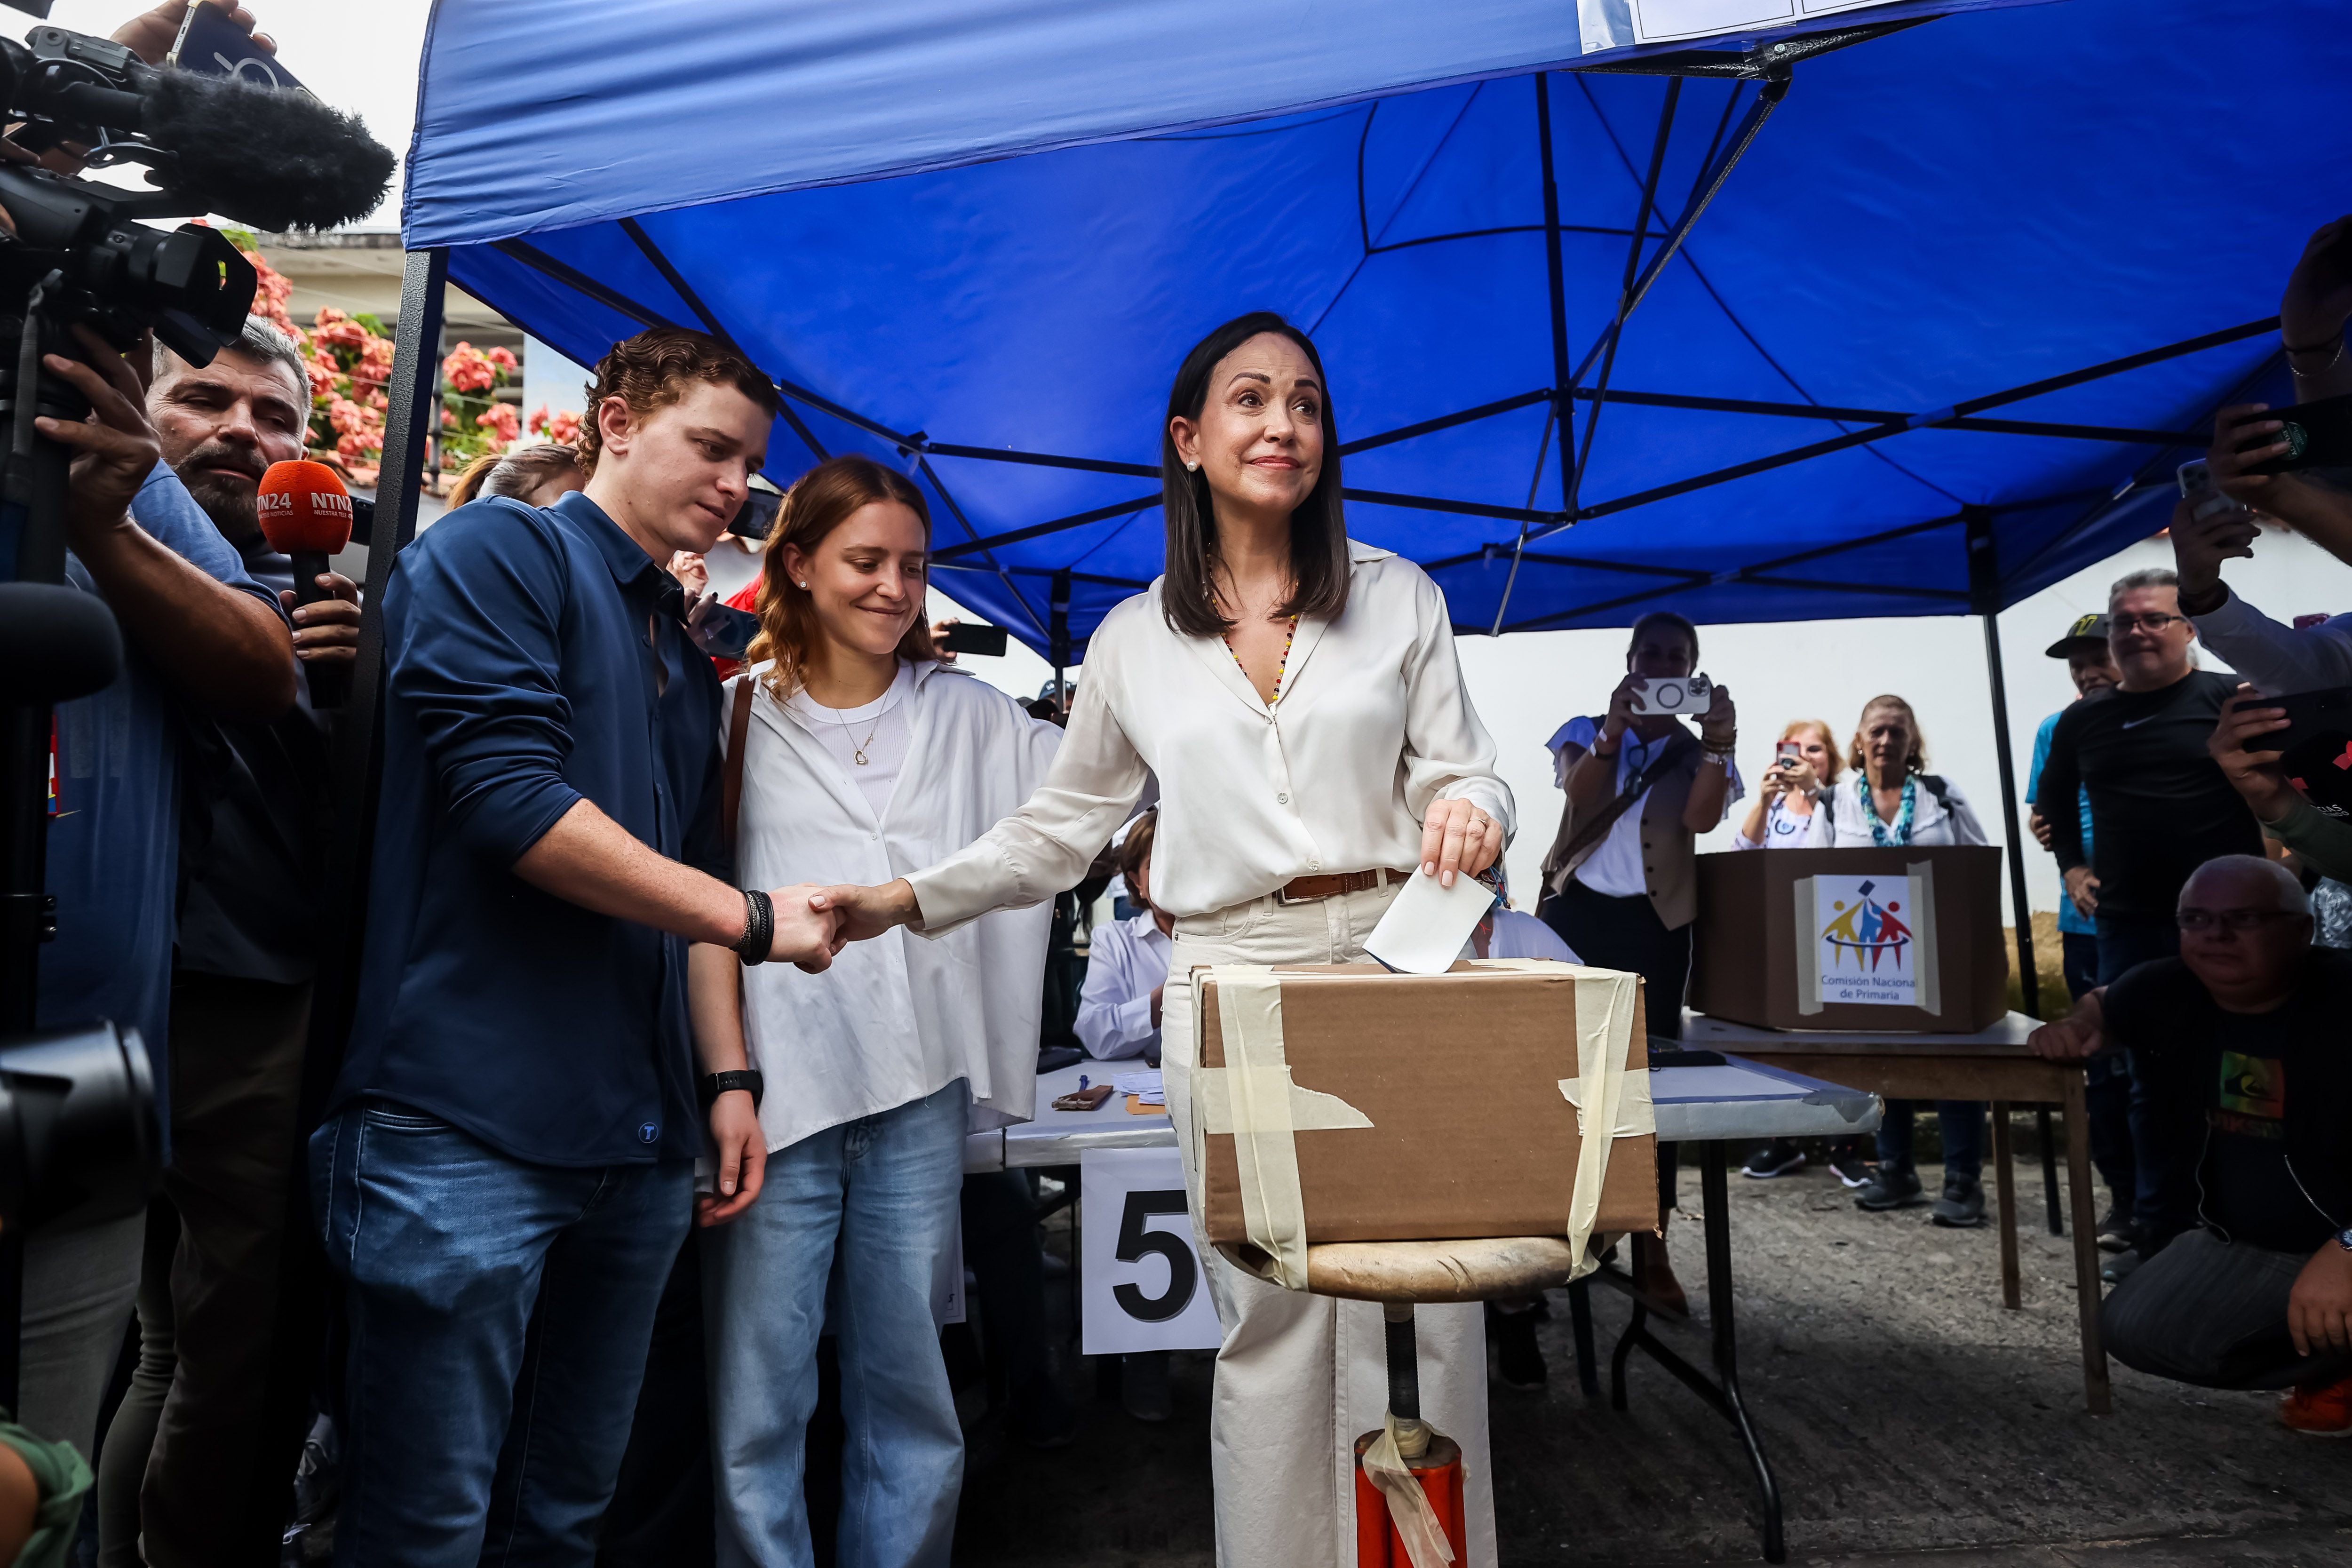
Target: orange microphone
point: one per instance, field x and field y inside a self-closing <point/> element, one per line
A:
<point x="305" y="513"/>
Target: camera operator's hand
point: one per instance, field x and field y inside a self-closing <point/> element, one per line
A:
<point x="327" y="632"/>
<point x="943" y="653"/>
<point x="1720" y="725"/>
<point x="2199" y="548"/>
<point x="2251" y="768"/>
<point x="114" y="450"/>
<point x="1795" y="775"/>
<point x="693" y="574"/>
<point x="1620" y="717"/>
<point x="2318" y="298"/>
<point x="151" y="34"/>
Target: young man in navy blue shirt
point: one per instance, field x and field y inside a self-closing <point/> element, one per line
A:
<point x="511" y="1145"/>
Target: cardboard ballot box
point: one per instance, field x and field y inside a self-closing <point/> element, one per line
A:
<point x="1419" y="1107"/>
<point x="1904" y="939"/>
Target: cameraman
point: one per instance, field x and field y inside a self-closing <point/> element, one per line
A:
<point x="1621" y="882"/>
<point x="252" y="845"/>
<point x="197" y="630"/>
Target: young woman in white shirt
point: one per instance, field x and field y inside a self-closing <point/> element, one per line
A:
<point x="1790" y="812"/>
<point x="1894" y="801"/>
<point x="1298" y="696"/>
<point x="861" y="756"/>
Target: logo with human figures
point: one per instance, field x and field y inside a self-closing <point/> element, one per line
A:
<point x="1866" y="951"/>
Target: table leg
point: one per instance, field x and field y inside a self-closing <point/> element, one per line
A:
<point x="1580" y="1314"/>
<point x="1718" y="1304"/>
<point x="2049" y="1171"/>
<point x="2086" y="1246"/>
<point x="2005" y="1190"/>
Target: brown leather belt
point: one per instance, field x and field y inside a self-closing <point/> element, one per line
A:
<point x="1305" y="890"/>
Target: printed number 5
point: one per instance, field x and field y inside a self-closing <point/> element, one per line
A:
<point x="1134" y="1241"/>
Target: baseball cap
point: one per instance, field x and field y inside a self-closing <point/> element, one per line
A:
<point x="2086" y="629"/>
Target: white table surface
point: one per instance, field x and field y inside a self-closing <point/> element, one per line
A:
<point x="1722" y="1035"/>
<point x="1740" y="1099"/>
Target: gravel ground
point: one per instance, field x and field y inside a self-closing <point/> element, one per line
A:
<point x="1909" y="1416"/>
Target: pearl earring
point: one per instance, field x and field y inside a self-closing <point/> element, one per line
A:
<point x="804" y="587"/>
<point x="1190" y="467"/>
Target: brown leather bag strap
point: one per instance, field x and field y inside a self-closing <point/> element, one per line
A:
<point x="730" y="787"/>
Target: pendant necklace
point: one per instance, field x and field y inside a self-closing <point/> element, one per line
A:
<point x="857" y="747"/>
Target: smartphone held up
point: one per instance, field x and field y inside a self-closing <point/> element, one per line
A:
<point x="1686" y="694"/>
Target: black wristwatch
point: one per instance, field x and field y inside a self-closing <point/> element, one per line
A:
<point x="717" y="1083"/>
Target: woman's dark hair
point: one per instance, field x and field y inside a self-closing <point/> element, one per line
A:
<point x="1319" y="529"/>
<point x="1662" y="618"/>
<point x="1136" y="848"/>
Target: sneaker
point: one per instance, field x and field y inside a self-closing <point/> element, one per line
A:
<point x="2115" y="1232"/>
<point x="2322" y="1412"/>
<point x="1143" y="1385"/>
<point x="1962" y="1205"/>
<point x="1518" y="1359"/>
<point x="1777" y="1158"/>
<point x="1890" y="1187"/>
<point x="2118" y="1269"/>
<point x="1852" y="1169"/>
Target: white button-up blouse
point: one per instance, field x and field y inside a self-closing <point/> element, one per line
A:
<point x="894" y="1019"/>
<point x="1369" y="727"/>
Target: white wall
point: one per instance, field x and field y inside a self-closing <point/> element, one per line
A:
<point x="1527" y="684"/>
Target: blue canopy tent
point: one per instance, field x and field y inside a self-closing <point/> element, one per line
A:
<point x="1886" y="311"/>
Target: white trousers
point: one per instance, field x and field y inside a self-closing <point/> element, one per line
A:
<point x="1301" y="1378"/>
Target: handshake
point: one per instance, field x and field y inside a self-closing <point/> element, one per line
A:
<point x="812" y="923"/>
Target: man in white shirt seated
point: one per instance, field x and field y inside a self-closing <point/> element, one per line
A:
<point x="1127" y="963"/>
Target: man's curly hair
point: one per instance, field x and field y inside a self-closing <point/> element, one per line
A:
<point x="654" y="369"/>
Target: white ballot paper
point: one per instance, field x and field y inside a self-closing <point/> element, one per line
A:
<point x="1427" y="926"/>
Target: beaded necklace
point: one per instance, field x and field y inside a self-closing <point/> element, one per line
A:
<point x="1281" y="666"/>
<point x="1880" y="835"/>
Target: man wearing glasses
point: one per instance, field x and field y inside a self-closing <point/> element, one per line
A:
<point x="2238" y="1046"/>
<point x="2160" y="807"/>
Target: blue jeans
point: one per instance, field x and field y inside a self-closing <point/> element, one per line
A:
<point x="2164" y="1181"/>
<point x="499" y="1314"/>
<point x="876" y="1200"/>
<point x="1962" y="1121"/>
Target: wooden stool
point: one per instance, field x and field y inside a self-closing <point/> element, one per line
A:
<point x="1397" y="1274"/>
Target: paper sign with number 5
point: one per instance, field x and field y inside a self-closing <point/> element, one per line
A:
<point x="1143" y="1285"/>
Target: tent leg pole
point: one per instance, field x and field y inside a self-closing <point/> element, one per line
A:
<point x="305" y="1300"/>
<point x="2028" y="980"/>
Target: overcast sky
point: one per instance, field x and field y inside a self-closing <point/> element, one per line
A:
<point x="358" y="55"/>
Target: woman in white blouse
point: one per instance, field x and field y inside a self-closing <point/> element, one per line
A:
<point x="1298" y="696"/>
<point x="861" y="756"/>
<point x="1894" y="801"/>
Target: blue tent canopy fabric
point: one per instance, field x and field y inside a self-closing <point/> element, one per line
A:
<point x="1909" y="339"/>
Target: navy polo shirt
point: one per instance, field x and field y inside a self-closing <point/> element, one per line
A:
<point x="533" y="657"/>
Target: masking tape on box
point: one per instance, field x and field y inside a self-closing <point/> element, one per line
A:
<point x="1257" y="1089"/>
<point x="1605" y="1005"/>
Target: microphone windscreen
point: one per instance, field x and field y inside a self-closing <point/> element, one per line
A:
<point x="304" y="507"/>
<point x="273" y="157"/>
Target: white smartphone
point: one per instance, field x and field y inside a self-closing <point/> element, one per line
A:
<point x="1692" y="695"/>
<point x="2196" y="479"/>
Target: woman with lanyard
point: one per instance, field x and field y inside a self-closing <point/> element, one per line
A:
<point x="1894" y="801"/>
<point x="1789" y="809"/>
<point x="1620" y="883"/>
<point x="851" y="749"/>
<point x="1298" y="696"/>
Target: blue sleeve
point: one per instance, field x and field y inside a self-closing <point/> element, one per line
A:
<point x="472" y="633"/>
<point x="166" y="511"/>
<point x="2040" y="755"/>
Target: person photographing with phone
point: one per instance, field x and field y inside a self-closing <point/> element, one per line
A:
<point x="1621" y="882"/>
<point x="1788" y="812"/>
